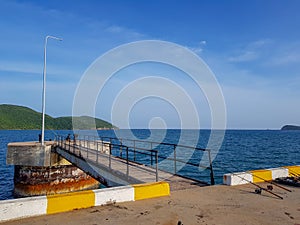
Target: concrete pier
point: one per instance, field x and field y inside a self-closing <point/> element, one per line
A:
<point x="40" y="171"/>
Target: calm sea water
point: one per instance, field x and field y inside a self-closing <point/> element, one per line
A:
<point x="241" y="150"/>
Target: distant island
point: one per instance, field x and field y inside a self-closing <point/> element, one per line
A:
<point x="290" y="127"/>
<point x="14" y="117"/>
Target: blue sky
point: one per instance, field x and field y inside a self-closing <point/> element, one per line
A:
<point x="253" y="48"/>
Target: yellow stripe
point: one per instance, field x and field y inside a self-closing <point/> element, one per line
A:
<point x="70" y="201"/>
<point x="151" y="190"/>
<point x="264" y="174"/>
<point x="293" y="170"/>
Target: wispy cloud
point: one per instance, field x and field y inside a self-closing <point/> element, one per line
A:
<point x="199" y="47"/>
<point x="115" y="29"/>
<point x="250" y="52"/>
<point x="293" y="57"/>
<point x="244" y="57"/>
<point x="36" y="69"/>
<point x="124" y="31"/>
<point x="286" y="58"/>
<point x="20" y="67"/>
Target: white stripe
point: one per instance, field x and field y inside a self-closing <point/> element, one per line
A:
<point x="116" y="194"/>
<point x="24" y="207"/>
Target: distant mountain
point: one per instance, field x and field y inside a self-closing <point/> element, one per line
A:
<point x="290" y="127"/>
<point x="13" y="117"/>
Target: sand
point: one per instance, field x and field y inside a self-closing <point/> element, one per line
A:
<point x="196" y="205"/>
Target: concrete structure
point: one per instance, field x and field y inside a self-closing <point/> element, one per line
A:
<point x="256" y="176"/>
<point x="40" y="171"/>
<point x="64" y="166"/>
<point x="35" y="206"/>
<point x="30" y="154"/>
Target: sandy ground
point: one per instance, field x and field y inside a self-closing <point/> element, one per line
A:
<point x="198" y="205"/>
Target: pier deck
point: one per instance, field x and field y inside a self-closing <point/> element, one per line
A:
<point x="113" y="170"/>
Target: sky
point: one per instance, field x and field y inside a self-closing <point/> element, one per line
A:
<point x="252" y="48"/>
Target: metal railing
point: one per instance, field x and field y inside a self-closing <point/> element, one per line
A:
<point x="149" y="153"/>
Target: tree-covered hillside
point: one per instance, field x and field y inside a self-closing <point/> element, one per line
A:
<point x="290" y="127"/>
<point x="13" y="117"/>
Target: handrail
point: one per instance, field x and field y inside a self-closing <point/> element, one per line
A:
<point x="159" y="143"/>
<point x="116" y="144"/>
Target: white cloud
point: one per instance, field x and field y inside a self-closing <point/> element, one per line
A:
<point x="259" y="43"/>
<point x="21" y="67"/>
<point x="244" y="57"/>
<point x="250" y="51"/>
<point x="124" y="31"/>
<point x="56" y="71"/>
<point x="198" y="48"/>
<point x="287" y="58"/>
<point x="260" y="95"/>
<point x="114" y="29"/>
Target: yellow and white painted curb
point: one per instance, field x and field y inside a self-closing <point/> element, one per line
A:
<point x="35" y="206"/>
<point x="256" y="176"/>
<point x="151" y="190"/>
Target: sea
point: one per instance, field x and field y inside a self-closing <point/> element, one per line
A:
<point x="236" y="150"/>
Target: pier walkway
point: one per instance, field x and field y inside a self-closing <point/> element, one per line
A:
<point x="116" y="162"/>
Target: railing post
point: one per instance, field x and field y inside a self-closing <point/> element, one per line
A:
<point x="212" y="179"/>
<point x="94" y="143"/>
<point x="156" y="162"/>
<point x="110" y="155"/>
<point x="71" y="147"/>
<point x="127" y="162"/>
<point x="97" y="152"/>
<point x="102" y="144"/>
<point x="80" y="147"/>
<point x="74" y="143"/>
<point x="121" y="149"/>
<point x="87" y="152"/>
<point x="175" y="160"/>
<point x="151" y="154"/>
<point x="110" y="141"/>
<point x="134" y="151"/>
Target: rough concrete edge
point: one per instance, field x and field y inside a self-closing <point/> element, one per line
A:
<point x="116" y="194"/>
<point x="239" y="178"/>
<point x="22" y="208"/>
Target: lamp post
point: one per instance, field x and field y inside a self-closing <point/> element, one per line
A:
<point x="44" y="88"/>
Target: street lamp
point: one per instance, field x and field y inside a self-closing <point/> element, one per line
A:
<point x="44" y="87"/>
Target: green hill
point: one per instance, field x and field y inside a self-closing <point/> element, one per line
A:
<point x="290" y="127"/>
<point x="13" y="117"/>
